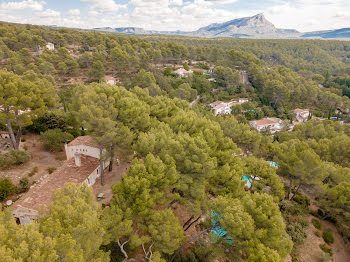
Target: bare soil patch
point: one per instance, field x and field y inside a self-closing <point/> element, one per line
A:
<point x="40" y="159"/>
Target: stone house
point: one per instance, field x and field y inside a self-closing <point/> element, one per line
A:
<point x="272" y="123"/>
<point x="82" y="166"/>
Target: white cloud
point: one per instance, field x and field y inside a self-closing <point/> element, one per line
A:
<point x="186" y="15"/>
<point x="176" y="2"/>
<point x="310" y="15"/>
<point x="104" y="5"/>
<point x="74" y="12"/>
<point x="27" y="5"/>
<point x="49" y="13"/>
<point x="223" y="1"/>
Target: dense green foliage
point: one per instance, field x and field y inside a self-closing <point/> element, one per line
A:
<point x="54" y="139"/>
<point x="6" y="188"/>
<point x="328" y="237"/>
<point x="187" y="163"/>
<point x="13" y="157"/>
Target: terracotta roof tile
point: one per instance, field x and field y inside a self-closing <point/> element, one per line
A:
<point x="266" y="121"/>
<point x="84" y="140"/>
<point x="298" y="110"/>
<point x="40" y="195"/>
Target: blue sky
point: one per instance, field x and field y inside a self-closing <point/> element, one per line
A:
<point x="303" y="15"/>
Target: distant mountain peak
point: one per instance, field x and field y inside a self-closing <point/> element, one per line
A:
<point x="256" y="26"/>
<point x="246" y="26"/>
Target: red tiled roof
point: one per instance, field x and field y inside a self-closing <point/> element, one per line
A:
<point x="298" y="110"/>
<point x="40" y="195"/>
<point x="266" y="121"/>
<point x="109" y="78"/>
<point x="84" y="140"/>
<point x="216" y="103"/>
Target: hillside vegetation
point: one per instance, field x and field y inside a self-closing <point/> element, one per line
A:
<point x="187" y="162"/>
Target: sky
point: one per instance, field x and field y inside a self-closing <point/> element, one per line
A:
<point x="185" y="15"/>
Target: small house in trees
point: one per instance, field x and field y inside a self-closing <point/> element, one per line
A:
<point x="301" y="115"/>
<point x="50" y="46"/>
<point x="270" y="123"/>
<point x="243" y="100"/>
<point x="110" y="80"/>
<point x="221" y="108"/>
<point x="182" y="72"/>
<point x="82" y="166"/>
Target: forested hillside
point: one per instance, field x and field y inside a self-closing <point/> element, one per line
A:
<point x="184" y="197"/>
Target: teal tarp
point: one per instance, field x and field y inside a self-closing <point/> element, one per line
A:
<point x="218" y="231"/>
<point x="248" y="179"/>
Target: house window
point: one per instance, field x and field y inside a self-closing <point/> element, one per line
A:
<point x="97" y="170"/>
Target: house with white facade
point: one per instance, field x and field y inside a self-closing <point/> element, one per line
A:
<point x="110" y="80"/>
<point x="270" y="123"/>
<point x="182" y="72"/>
<point x="301" y="115"/>
<point x="243" y="100"/>
<point x="82" y="166"/>
<point x="221" y="108"/>
<point x="50" y="46"/>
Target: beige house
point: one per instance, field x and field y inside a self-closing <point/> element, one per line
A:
<point x="243" y="100"/>
<point x="301" y="115"/>
<point x="82" y="166"/>
<point x="221" y="108"/>
<point x="271" y="123"/>
<point x="224" y="108"/>
<point x="182" y="72"/>
<point x="50" y="46"/>
<point x="110" y="80"/>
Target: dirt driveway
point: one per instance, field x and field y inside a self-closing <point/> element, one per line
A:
<point x="40" y="159"/>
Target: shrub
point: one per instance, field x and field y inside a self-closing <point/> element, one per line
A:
<point x="53" y="139"/>
<point x="326" y="249"/>
<point x="318" y="233"/>
<point x="76" y="132"/>
<point x="6" y="188"/>
<point x="297" y="233"/>
<point x="328" y="237"/>
<point x="317" y="223"/>
<point x="14" y="157"/>
<point x="49" y="120"/>
<point x="34" y="171"/>
<point x="320" y="212"/>
<point x="302" y="200"/>
<point x="51" y="169"/>
<point x="325" y="257"/>
<point x="24" y="185"/>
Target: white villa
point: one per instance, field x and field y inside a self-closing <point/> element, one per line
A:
<point x="221" y="108"/>
<point x="110" y="80"/>
<point x="224" y="108"/>
<point x="82" y="166"/>
<point x="182" y="72"/>
<point x="50" y="46"/>
<point x="243" y="100"/>
<point x="301" y="115"/>
<point x="272" y="123"/>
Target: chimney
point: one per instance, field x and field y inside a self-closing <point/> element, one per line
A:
<point x="77" y="159"/>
